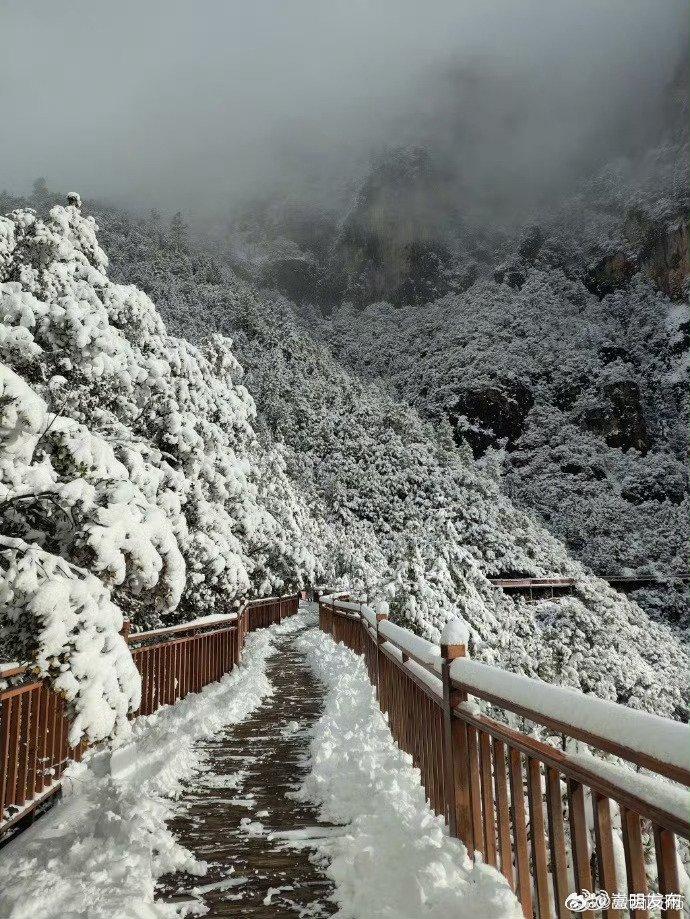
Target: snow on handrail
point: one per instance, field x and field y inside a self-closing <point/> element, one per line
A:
<point x="200" y="623"/>
<point x="204" y="621"/>
<point x="433" y="682"/>
<point x="648" y="788"/>
<point x="12" y="668"/>
<point x="355" y="606"/>
<point x="422" y="650"/>
<point x="333" y="598"/>
<point x="369" y="613"/>
<point x="258" y="600"/>
<point x="657" y="743"/>
<point x="649" y="796"/>
<point x="607" y="724"/>
<point x="348" y="605"/>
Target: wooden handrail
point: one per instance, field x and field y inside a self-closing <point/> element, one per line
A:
<point x="533" y="582"/>
<point x="560" y="760"/>
<point x="194" y="625"/>
<point x="10" y="672"/>
<point x="172" y="661"/>
<point x="638" y="757"/>
<point x="479" y="773"/>
<point x="256" y="601"/>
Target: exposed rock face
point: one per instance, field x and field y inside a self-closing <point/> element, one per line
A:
<point x="666" y="260"/>
<point x="531" y="244"/>
<point x="388" y="247"/>
<point x="610" y="273"/>
<point x="513" y="271"/>
<point x="423" y="274"/>
<point x="619" y="417"/>
<point x="660" y="251"/>
<point x="495" y="413"/>
<point x="510" y="273"/>
<point x="298" y="278"/>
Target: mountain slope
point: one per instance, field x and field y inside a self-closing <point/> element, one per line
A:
<point x="402" y="511"/>
<point x="357" y="487"/>
<point x="131" y="479"/>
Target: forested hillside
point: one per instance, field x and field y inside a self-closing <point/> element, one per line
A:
<point x="556" y="347"/>
<point x="132" y="481"/>
<point x="333" y="478"/>
<point x="566" y="366"/>
<point x="142" y="477"/>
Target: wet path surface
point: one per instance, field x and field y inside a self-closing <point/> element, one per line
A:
<point x="241" y="816"/>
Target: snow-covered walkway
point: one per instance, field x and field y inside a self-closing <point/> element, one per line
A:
<point x="243" y="817"/>
<point x="306" y="815"/>
<point x="99" y="852"/>
<point x="277" y="792"/>
<point x="395" y="858"/>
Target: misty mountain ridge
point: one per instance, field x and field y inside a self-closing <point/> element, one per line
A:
<point x="555" y="349"/>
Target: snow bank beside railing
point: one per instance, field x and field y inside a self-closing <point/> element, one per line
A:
<point x="99" y="852"/>
<point x="661" y="738"/>
<point x="394" y="857"/>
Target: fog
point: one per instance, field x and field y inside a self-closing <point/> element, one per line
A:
<point x="201" y="105"/>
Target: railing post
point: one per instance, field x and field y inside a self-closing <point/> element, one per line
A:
<point x="126" y="629"/>
<point x="243" y="627"/>
<point x="379" y="618"/>
<point x="455" y="748"/>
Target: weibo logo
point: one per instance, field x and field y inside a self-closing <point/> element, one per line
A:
<point x="579" y="902"/>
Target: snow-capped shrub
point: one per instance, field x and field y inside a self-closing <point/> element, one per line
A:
<point x="64" y="619"/>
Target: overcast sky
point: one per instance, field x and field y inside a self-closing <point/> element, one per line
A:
<point x="196" y="103"/>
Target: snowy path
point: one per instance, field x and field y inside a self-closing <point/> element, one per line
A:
<point x="243" y="817"/>
<point x="312" y="808"/>
<point x="98" y="853"/>
<point x="277" y="792"/>
<point x="395" y="858"/>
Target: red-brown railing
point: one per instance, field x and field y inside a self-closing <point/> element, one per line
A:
<point x="34" y="749"/>
<point x="524" y="804"/>
<point x="263" y="613"/>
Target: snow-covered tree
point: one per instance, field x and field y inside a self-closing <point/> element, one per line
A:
<point x="131" y="479"/>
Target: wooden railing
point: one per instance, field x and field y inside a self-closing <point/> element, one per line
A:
<point x="265" y="612"/>
<point x="535" y="588"/>
<point x="524" y="804"/>
<point x="34" y="749"/>
<point x="552" y="586"/>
